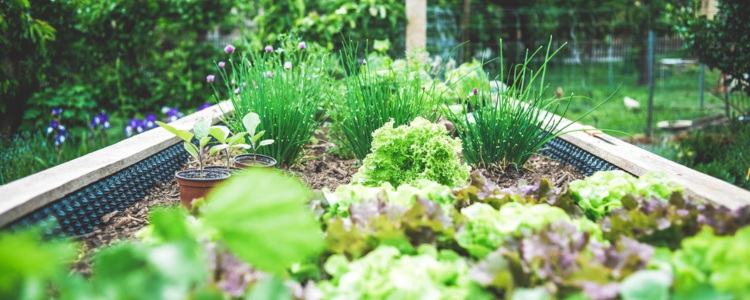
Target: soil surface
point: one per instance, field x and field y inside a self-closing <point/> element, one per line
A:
<point x="321" y="170"/>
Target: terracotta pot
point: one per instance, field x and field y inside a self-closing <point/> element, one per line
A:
<point x="232" y="170"/>
<point x="248" y="161"/>
<point x="193" y="187"/>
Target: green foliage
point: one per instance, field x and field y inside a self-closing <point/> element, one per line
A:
<point x="28" y="265"/>
<point x="402" y="155"/>
<point x="372" y="98"/>
<point x="261" y="218"/>
<point x="386" y="273"/>
<point x="506" y="128"/>
<point x="599" y="193"/>
<point x="328" y="22"/>
<point x="714" y="265"/>
<point x="719" y="43"/>
<point x="286" y="101"/>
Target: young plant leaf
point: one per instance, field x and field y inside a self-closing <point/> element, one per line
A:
<point x="258" y="136"/>
<point x="191" y="149"/>
<point x="183" y="134"/>
<point x="237" y="138"/>
<point x="262" y="218"/>
<point x="266" y="142"/>
<point x="217" y="148"/>
<point x="202" y="128"/>
<point x="251" y="121"/>
<point x="220" y="133"/>
<point x="243" y="146"/>
<point x="204" y="141"/>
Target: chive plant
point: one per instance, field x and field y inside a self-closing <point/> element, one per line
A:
<point x="284" y="88"/>
<point x="498" y="130"/>
<point x="371" y="100"/>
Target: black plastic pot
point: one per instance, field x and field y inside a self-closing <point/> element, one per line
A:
<point x="248" y="161"/>
<point x="192" y="186"/>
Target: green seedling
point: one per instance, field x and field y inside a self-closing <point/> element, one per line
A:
<point x="251" y="122"/>
<point x="201" y="131"/>
<point x="226" y="143"/>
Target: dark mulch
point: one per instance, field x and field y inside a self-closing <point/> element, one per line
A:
<point x="537" y="168"/>
<point x="324" y="170"/>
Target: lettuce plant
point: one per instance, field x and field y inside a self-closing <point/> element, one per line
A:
<point x="603" y="191"/>
<point x="405" y="154"/>
<point x="386" y="273"/>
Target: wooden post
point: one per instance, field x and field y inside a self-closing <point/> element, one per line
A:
<point x="416" y="26"/>
<point x="650" y="82"/>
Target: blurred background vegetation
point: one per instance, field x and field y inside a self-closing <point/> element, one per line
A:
<point x="130" y="58"/>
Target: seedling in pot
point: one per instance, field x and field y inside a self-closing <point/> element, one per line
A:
<point x="201" y="131"/>
<point x="251" y="122"/>
<point x="221" y="134"/>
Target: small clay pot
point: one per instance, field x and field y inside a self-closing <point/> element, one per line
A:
<point x="192" y="186"/>
<point x="248" y="161"/>
<point x="232" y="170"/>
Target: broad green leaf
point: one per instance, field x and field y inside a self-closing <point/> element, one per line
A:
<point x="202" y="128"/>
<point x="243" y="146"/>
<point x="262" y="218"/>
<point x="258" y="136"/>
<point x="272" y="288"/>
<point x="220" y="133"/>
<point x="217" y="148"/>
<point x="237" y="138"/>
<point x="183" y="134"/>
<point x="646" y="285"/>
<point x="204" y="141"/>
<point x="266" y="142"/>
<point x="191" y="149"/>
<point x="251" y="121"/>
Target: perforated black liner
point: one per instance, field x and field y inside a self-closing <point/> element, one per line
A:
<point x="79" y="213"/>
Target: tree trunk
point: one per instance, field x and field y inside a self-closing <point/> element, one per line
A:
<point x="643" y="59"/>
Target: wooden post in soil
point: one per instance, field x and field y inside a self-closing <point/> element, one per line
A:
<point x="416" y="26"/>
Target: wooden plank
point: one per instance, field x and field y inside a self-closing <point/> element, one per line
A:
<point x="27" y="194"/>
<point x="699" y="186"/>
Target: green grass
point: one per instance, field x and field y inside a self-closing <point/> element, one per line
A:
<point x="675" y="95"/>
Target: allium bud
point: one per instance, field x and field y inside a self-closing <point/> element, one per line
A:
<point x="364" y="62"/>
<point x="237" y="91"/>
<point x="475" y="91"/>
<point x="269" y="49"/>
<point x="232" y="81"/>
<point x="229" y="49"/>
<point x="210" y="78"/>
<point x="302" y="45"/>
<point x="243" y="84"/>
<point x="288" y="65"/>
<point x="221" y="64"/>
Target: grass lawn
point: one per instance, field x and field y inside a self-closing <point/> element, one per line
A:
<point x="676" y="95"/>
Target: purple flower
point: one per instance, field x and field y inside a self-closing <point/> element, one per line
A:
<point x="249" y="63"/>
<point x="204" y="106"/>
<point x="60" y="130"/>
<point x="221" y="64"/>
<point x="229" y="49"/>
<point x="268" y="74"/>
<point x="52" y="126"/>
<point x="100" y="119"/>
<point x="269" y="49"/>
<point x="288" y="65"/>
<point x="237" y="91"/>
<point x="173" y="114"/>
<point x="128" y="131"/>
<point x="56" y="111"/>
<point x="150" y="121"/>
<point x="164" y="109"/>
<point x="59" y="140"/>
<point x="243" y="84"/>
<point x="210" y="78"/>
<point x="364" y="62"/>
<point x="302" y="45"/>
<point x="475" y="91"/>
<point x="232" y="81"/>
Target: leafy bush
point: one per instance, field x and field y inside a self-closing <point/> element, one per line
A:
<point x="284" y="87"/>
<point x="599" y="193"/>
<point x="405" y="154"/>
<point x="388" y="274"/>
